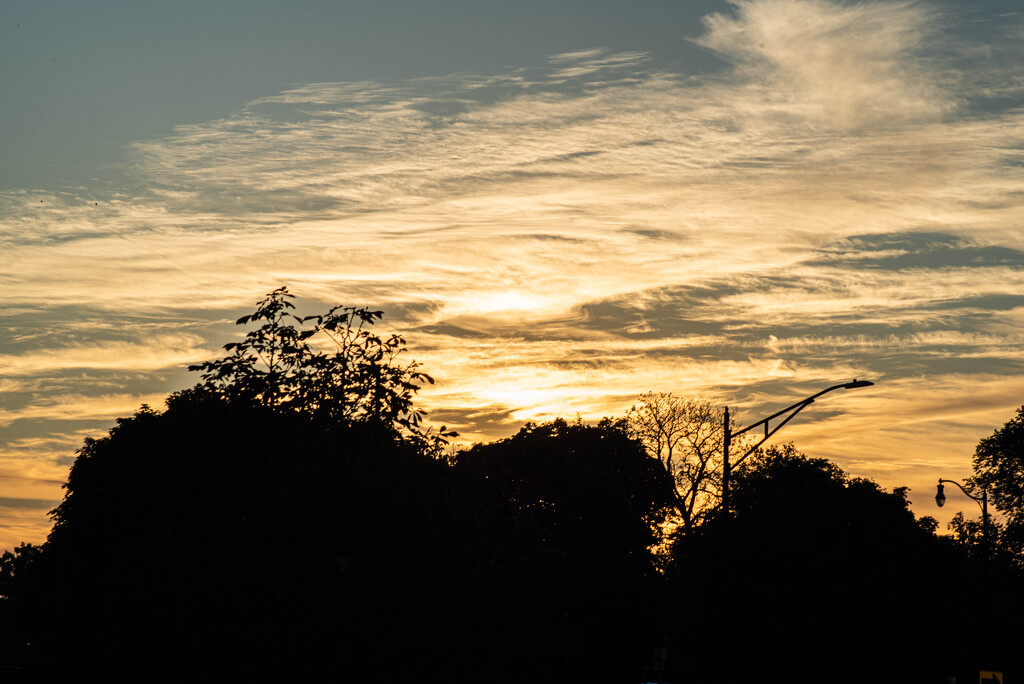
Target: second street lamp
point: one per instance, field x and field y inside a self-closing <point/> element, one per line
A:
<point x="940" y="500"/>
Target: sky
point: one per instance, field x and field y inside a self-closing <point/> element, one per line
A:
<point x="559" y="205"/>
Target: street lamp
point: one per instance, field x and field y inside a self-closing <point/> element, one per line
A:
<point x="789" y="413"/>
<point x="940" y="500"/>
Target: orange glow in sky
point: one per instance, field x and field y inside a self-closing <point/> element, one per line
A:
<point x="838" y="193"/>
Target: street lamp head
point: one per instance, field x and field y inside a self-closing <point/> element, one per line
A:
<point x="940" y="496"/>
<point x="858" y="383"/>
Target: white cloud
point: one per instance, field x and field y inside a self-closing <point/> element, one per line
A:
<point x="837" y="66"/>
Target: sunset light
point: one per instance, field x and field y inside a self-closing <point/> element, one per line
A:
<point x="741" y="201"/>
<point x="406" y="340"/>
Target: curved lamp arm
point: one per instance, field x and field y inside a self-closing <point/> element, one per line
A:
<point x="940" y="495"/>
<point x="792" y="411"/>
<point x="940" y="499"/>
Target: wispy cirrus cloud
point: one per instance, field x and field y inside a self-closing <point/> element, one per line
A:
<point x="843" y="199"/>
<point x="836" y="66"/>
<point x="70" y="407"/>
<point x="148" y="354"/>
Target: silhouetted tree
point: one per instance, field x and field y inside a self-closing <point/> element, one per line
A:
<point x="999" y="467"/>
<point x="361" y="380"/>
<point x="13" y="566"/>
<point x="18" y="583"/>
<point x="998" y="581"/>
<point x="282" y="516"/>
<point x="287" y="517"/>
<point x="828" y="578"/>
<point x="232" y="538"/>
<point x="686" y="435"/>
<point x="571" y="510"/>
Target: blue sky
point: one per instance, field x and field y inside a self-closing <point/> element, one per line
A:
<point x="560" y="205"/>
<point x="84" y="79"/>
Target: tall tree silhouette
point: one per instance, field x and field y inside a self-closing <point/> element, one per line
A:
<point x="571" y="510"/>
<point x="266" y="521"/>
<point x="829" y="578"/>
<point x="287" y="517"/>
<point x="686" y="435"/>
<point x="999" y="467"/>
<point x="360" y="379"/>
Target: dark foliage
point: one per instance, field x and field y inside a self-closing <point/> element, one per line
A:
<point x="232" y="539"/>
<point x="284" y="515"/>
<point x="999" y="468"/>
<point x="288" y="517"/>
<point x="227" y="538"/>
<point x="17" y="573"/>
<point x="570" y="513"/>
<point x="16" y="564"/>
<point x="361" y="380"/>
<point x="817" y="576"/>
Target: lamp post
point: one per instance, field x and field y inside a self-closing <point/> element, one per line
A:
<point x="940" y="500"/>
<point x="789" y="413"/>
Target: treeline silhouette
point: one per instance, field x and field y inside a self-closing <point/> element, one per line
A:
<point x="290" y="516"/>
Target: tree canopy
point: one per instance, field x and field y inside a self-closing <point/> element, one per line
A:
<point x="686" y="435"/>
<point x="359" y="378"/>
<point x="267" y="516"/>
<point x="815" y="576"/>
<point x="568" y="513"/>
<point x="288" y="516"/>
<point x="999" y="468"/>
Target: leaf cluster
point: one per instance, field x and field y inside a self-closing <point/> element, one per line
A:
<point x="353" y="375"/>
<point x="999" y="468"/>
<point x="811" y="566"/>
<point x="14" y="566"/>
